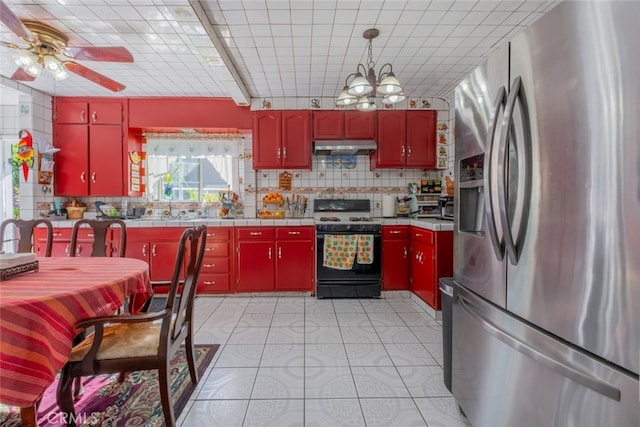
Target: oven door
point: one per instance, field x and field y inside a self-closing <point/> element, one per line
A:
<point x="358" y="273"/>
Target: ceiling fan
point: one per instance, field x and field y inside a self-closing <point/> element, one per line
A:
<point x="48" y="49"/>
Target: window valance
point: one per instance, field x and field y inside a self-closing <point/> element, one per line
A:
<point x="214" y="144"/>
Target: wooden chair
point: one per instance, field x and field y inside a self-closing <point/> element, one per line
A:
<point x="26" y="229"/>
<point x="133" y="342"/>
<point x="100" y="229"/>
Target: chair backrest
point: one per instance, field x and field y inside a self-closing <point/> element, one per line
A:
<point x="26" y="228"/>
<point x="182" y="293"/>
<point x="100" y="229"/>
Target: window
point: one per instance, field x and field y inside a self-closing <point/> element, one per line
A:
<point x="192" y="170"/>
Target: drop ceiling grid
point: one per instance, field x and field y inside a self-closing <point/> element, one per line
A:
<point x="296" y="48"/>
<point x="447" y="25"/>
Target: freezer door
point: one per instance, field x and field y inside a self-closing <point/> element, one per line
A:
<point x="578" y="272"/>
<point x="507" y="373"/>
<point x="478" y="240"/>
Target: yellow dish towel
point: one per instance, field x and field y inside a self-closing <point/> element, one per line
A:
<point x="339" y="251"/>
<point x="365" y="249"/>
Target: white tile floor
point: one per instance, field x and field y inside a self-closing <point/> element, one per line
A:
<point x="300" y="361"/>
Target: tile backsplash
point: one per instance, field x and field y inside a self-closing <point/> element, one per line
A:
<point x="328" y="178"/>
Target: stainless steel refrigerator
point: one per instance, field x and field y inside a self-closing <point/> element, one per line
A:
<point x="546" y="311"/>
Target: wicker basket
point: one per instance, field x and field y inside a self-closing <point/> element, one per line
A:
<point x="75" y="212"/>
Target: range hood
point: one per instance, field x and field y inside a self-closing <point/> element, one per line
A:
<point x="335" y="147"/>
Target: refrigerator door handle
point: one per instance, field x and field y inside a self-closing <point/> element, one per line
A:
<point x="496" y="241"/>
<point x="564" y="369"/>
<point x="514" y="245"/>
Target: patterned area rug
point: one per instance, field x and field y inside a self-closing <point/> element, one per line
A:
<point x="134" y="402"/>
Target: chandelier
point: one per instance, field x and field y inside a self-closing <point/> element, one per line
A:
<point x="365" y="83"/>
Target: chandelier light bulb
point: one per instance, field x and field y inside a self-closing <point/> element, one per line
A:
<point x="393" y="99"/>
<point x="389" y="85"/>
<point x="345" y="98"/>
<point x="360" y="86"/>
<point x="366" y="104"/>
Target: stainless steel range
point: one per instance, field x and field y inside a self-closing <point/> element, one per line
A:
<point x="348" y="248"/>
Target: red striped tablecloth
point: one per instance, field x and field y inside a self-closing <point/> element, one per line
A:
<point x="39" y="311"/>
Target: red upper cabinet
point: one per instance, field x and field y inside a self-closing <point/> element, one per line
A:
<point x="421" y="138"/>
<point x="267" y="136"/>
<point x="296" y="139"/>
<point x="333" y="124"/>
<point x="328" y="124"/>
<point x="391" y="139"/>
<point x="406" y="139"/>
<point x="72" y="112"/>
<point x="90" y="135"/>
<point x="359" y="125"/>
<point x="281" y="139"/>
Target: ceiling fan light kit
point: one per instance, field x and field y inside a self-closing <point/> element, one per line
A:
<point x="48" y="48"/>
<point x="360" y="90"/>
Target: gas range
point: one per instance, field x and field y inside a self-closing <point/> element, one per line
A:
<point x="354" y="277"/>
<point x="350" y="215"/>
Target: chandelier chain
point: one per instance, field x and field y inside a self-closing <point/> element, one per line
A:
<point x="370" y="62"/>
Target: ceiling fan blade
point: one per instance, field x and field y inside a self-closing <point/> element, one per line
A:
<point x="12" y="22"/>
<point x="108" y="54"/>
<point x="22" y="75"/>
<point x="94" y="76"/>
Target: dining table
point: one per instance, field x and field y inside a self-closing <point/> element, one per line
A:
<point x="39" y="311"/>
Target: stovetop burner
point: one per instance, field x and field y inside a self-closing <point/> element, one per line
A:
<point x="329" y="218"/>
<point x="360" y="219"/>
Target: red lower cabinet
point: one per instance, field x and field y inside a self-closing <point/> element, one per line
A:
<point x="431" y="258"/>
<point x="275" y="259"/>
<point x="395" y="258"/>
<point x="295" y="255"/>
<point x="215" y="274"/>
<point x="158" y="247"/>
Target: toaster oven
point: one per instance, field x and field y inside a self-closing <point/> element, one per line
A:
<point x="446" y="207"/>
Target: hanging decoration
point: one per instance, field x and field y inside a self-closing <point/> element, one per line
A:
<point x="25" y="154"/>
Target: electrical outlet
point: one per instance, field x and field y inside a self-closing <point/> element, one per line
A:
<point x="377" y="205"/>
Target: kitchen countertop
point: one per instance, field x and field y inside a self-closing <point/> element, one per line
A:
<point x="426" y="223"/>
<point x="432" y="224"/>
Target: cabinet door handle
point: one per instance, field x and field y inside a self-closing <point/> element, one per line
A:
<point x="405" y="252"/>
<point x="284" y="153"/>
<point x="269" y="253"/>
<point x="394" y="232"/>
<point x="278" y="152"/>
<point x="293" y="233"/>
<point x="57" y="234"/>
<point x="409" y="151"/>
<point x="280" y="253"/>
<point x="82" y="113"/>
<point x="153" y="250"/>
<point x="67" y="250"/>
<point x="94" y="117"/>
<point x="255" y="233"/>
<point x="208" y="249"/>
<point x="82" y="177"/>
<point x="93" y="177"/>
<point x="209" y="265"/>
<point x="209" y="282"/>
<point x="419" y="234"/>
<point x="78" y="250"/>
<point x="144" y="250"/>
<point x="403" y="151"/>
